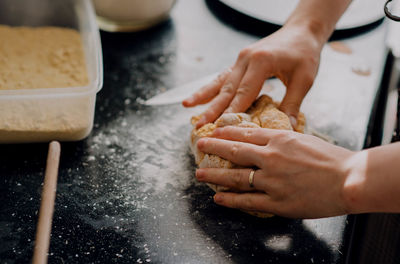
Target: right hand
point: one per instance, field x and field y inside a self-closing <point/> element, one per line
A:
<point x="291" y="54"/>
<point x="297" y="175"/>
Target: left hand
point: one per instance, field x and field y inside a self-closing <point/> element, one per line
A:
<point x="299" y="176"/>
<point x="291" y="54"/>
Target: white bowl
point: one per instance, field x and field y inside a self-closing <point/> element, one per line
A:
<point x="131" y="15"/>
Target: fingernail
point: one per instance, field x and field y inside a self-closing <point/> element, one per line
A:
<point x="200" y="174"/>
<point x="228" y="110"/>
<point x="203" y="119"/>
<point x="189" y="100"/>
<point x="218" y="198"/>
<point x="201" y="122"/>
<point x="200" y="143"/>
<point x="293" y="121"/>
<point x="217" y="132"/>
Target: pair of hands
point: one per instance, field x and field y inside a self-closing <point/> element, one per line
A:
<point x="298" y="175"/>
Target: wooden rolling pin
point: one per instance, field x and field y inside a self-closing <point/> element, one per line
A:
<point x="43" y="231"/>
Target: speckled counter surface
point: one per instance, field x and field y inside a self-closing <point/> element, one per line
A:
<point x="127" y="194"/>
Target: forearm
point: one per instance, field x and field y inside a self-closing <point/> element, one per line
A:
<point x="318" y="17"/>
<point x="373" y="184"/>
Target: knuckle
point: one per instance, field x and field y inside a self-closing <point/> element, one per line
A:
<point x="244" y="89"/>
<point x="289" y="138"/>
<point x="272" y="156"/>
<point x="267" y="154"/>
<point x="228" y="88"/>
<point x="280" y="137"/>
<point x="284" y="138"/>
<point x="261" y="55"/>
<point x="220" y="78"/>
<point x="210" y="114"/>
<point x="244" y="53"/>
<point x="234" y="150"/>
<point x="217" y="81"/>
<point x="237" y="179"/>
<point x="248" y="134"/>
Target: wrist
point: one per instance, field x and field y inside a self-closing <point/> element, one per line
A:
<point x="318" y="17"/>
<point x="313" y="29"/>
<point x="354" y="183"/>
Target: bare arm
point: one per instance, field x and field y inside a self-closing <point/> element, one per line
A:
<point x="319" y="17"/>
<point x="292" y="54"/>
<point x="373" y="184"/>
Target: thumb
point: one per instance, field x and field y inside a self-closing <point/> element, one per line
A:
<point x="291" y="108"/>
<point x="295" y="93"/>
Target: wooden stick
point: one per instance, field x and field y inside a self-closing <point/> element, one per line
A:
<point x="43" y="231"/>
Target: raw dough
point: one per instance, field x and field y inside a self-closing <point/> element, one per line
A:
<point x="264" y="113"/>
<point x="340" y="47"/>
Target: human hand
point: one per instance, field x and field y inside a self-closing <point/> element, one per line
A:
<point x="290" y="54"/>
<point x="299" y="176"/>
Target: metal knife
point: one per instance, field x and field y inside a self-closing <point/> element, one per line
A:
<point x="178" y="94"/>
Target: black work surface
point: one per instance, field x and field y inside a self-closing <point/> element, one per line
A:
<point x="127" y="194"/>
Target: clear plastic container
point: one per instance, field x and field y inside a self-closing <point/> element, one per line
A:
<point x="65" y="114"/>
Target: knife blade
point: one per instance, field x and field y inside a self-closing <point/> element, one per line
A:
<point x="178" y="94"/>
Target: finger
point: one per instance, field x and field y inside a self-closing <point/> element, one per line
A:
<point x="235" y="179"/>
<point x="249" y="88"/>
<point x="207" y="92"/>
<point x="257" y="136"/>
<point x="296" y="91"/>
<point x="240" y="153"/>
<point x="245" y="201"/>
<point x="223" y="99"/>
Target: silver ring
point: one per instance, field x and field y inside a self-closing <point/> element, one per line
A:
<point x="251" y="178"/>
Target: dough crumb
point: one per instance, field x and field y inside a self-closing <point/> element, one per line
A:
<point x="340" y="47"/>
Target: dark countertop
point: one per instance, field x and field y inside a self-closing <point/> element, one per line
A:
<point x="127" y="193"/>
